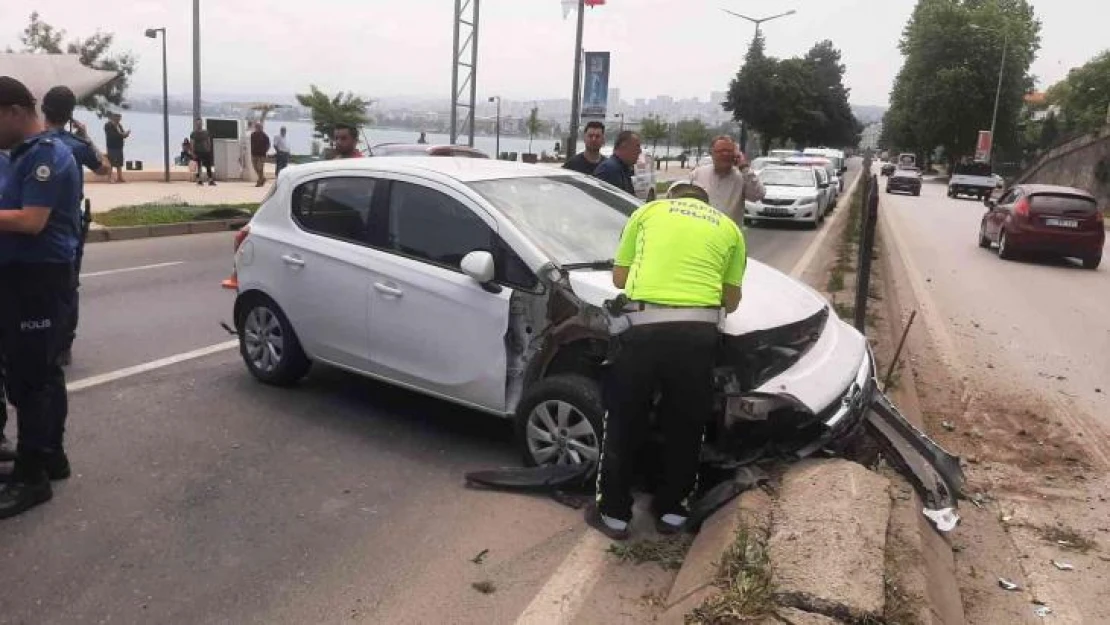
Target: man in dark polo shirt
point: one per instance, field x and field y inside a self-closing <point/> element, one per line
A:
<point x="617" y="169"/>
<point x="587" y="161"/>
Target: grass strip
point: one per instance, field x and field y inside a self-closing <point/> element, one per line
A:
<point x="158" y="214"/>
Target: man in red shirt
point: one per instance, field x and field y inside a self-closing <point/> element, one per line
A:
<point x="345" y="139"/>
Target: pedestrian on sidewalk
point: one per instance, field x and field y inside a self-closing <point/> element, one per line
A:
<point x="729" y="187"/>
<point x="260" y="146"/>
<point x="38" y="241"/>
<point x="114" y="138"/>
<point x="593" y="139"/>
<point x="57" y="109"/>
<point x="281" y="152"/>
<point x="617" y="169"/>
<point x="345" y="138"/>
<point x="202" y="151"/>
<point x="674" y="290"/>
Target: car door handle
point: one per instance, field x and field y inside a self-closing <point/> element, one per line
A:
<point x="388" y="290"/>
<point x="292" y="260"/>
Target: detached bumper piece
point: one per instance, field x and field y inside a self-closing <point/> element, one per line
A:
<point x="934" y="473"/>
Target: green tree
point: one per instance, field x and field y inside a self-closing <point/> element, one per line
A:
<point x="839" y="126"/>
<point x="329" y="111"/>
<point x="1084" y="95"/>
<point x="94" y="51"/>
<point x="534" y="125"/>
<point x="945" y="91"/>
<point x="692" y="135"/>
<point x="654" y="130"/>
<point x="750" y="94"/>
<point x="1050" y="131"/>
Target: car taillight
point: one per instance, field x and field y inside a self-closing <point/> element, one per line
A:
<point x="1099" y="218"/>
<point x="232" y="282"/>
<point x="1022" y="207"/>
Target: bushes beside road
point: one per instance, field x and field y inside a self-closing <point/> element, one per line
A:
<point x="159" y="214"/>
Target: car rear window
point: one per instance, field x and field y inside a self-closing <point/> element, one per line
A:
<point x="973" y="169"/>
<point x="1063" y="204"/>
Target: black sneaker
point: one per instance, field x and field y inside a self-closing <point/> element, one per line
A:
<point x="615" y="529"/>
<point x="57" y="467"/>
<point x="7" y="449"/>
<point x="20" y="495"/>
<point x="211" y="183"/>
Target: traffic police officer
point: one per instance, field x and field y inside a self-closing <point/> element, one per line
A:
<point x="7" y="450"/>
<point x="57" y="109"/>
<point x="39" y="226"/>
<point x="680" y="261"/>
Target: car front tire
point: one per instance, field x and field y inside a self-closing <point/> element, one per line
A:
<point x="1004" y="250"/>
<point x="984" y="240"/>
<point x="560" y="421"/>
<point x="268" y="345"/>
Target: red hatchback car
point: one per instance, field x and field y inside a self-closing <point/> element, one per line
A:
<point x="1045" y="219"/>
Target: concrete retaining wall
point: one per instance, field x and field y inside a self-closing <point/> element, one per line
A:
<point x="1074" y="164"/>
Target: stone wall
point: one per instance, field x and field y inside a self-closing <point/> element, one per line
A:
<point x="1076" y="164"/>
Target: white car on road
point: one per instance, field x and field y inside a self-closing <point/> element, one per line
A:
<point x="793" y="193"/>
<point x="482" y="282"/>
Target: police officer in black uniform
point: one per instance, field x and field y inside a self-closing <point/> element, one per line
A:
<point x="57" y="109"/>
<point x="39" y="226"/>
<point x="7" y="449"/>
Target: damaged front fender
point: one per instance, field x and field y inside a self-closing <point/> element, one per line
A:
<point x="935" y="473"/>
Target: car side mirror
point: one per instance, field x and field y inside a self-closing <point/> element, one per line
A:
<point x="823" y="185"/>
<point x="480" y="267"/>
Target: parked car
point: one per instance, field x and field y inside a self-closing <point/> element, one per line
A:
<point x="764" y="161"/>
<point x="906" y="180"/>
<point x="482" y="282"/>
<point x="974" y="179"/>
<point x="643" y="177"/>
<point x="835" y="156"/>
<point x="793" y="193"/>
<point x="835" y="178"/>
<point x="1047" y="219"/>
<point x="888" y="169"/>
<point x="783" y="153"/>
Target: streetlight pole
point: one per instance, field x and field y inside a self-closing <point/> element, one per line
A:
<point x="998" y="96"/>
<point x="576" y="97"/>
<point x="498" y="127"/>
<point x="153" y="34"/>
<point x="758" y="22"/>
<point x="196" y="59"/>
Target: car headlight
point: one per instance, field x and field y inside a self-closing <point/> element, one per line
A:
<point x="808" y="200"/>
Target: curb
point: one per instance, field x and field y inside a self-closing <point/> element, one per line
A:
<point x="129" y="233"/>
<point x="934" y="579"/>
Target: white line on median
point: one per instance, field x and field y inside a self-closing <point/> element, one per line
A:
<point x="560" y="599"/>
<point x="120" y="374"/>
<point x="110" y="272"/>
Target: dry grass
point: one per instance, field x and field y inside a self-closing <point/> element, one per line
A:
<point x="745" y="580"/>
<point x="668" y="553"/>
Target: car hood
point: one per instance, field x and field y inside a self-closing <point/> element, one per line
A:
<point x="774" y="191"/>
<point x="771" y="298"/>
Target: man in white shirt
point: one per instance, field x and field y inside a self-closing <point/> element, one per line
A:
<point x="728" y="186"/>
<point x="281" y="151"/>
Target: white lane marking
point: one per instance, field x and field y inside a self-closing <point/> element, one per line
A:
<point x="818" y="241"/>
<point x="161" y="363"/>
<point x="110" y="272"/>
<point x="560" y="599"/>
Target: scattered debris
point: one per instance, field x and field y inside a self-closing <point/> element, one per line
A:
<point x="1007" y="519"/>
<point x="667" y="552"/>
<point x="1006" y="584"/>
<point x="478" y="559"/>
<point x="1067" y="538"/>
<point x="1098" y="390"/>
<point x="948" y="425"/>
<point x="485" y="587"/>
<point x="1042" y="611"/>
<point x="1063" y="566"/>
<point x="945" y="519"/>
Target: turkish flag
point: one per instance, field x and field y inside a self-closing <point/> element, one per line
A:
<point x="594" y="3"/>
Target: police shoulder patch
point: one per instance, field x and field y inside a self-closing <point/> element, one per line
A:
<point x="42" y="173"/>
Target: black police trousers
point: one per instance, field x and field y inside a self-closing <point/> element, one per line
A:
<point x="675" y="360"/>
<point x="33" y="321"/>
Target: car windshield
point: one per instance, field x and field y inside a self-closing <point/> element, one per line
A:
<point x="783" y="177"/>
<point x="573" y="219"/>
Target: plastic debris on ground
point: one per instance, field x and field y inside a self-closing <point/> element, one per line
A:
<point x="1042" y="611"/>
<point x="1006" y="584"/>
<point x="944" y="519"/>
<point x="1063" y="566"/>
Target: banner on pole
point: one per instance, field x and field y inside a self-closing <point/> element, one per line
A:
<point x="983" y="147"/>
<point x="595" y="97"/>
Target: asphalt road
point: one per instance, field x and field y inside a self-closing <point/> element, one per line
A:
<point x="200" y="496"/>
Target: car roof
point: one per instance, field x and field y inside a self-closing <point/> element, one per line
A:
<point x="1034" y="189"/>
<point x="808" y="160"/>
<point x="462" y="169"/>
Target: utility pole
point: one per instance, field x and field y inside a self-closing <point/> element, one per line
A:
<point x="196" y="59"/>
<point x="459" y="65"/>
<point x="576" y="97"/>
<point x="998" y="96"/>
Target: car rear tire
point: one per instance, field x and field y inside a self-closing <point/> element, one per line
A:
<point x="917" y="193"/>
<point x="1092" y="262"/>
<point x="560" y="420"/>
<point x="1004" y="250"/>
<point x="268" y="344"/>
<point x="952" y="194"/>
<point x="984" y="240"/>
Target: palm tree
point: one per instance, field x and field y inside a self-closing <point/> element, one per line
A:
<point x="654" y="130"/>
<point x="327" y="112"/>
<point x="534" y="126"/>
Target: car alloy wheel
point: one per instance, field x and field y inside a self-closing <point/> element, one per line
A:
<point x="263" y="339"/>
<point x="268" y="345"/>
<point x="1004" y="251"/>
<point x="558" y="433"/>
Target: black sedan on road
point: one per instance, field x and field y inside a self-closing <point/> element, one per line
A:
<point x="905" y="180"/>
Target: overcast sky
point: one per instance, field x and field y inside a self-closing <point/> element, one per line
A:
<point x="683" y="48"/>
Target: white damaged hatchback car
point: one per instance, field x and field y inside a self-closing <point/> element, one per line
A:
<point x="483" y="282"/>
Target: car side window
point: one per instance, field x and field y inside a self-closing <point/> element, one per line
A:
<point x="335" y="207"/>
<point x="1009" y="198"/>
<point x="431" y="226"/>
